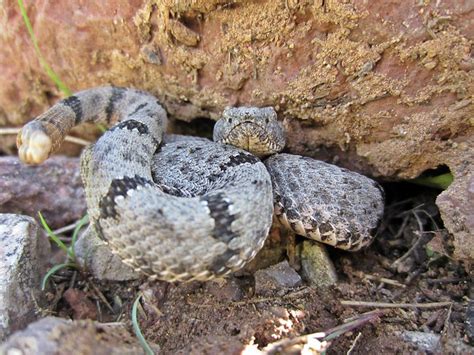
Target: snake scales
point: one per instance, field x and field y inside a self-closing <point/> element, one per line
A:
<point x="187" y="208"/>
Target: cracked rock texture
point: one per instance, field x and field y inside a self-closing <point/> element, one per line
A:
<point x="276" y="278"/>
<point x="457" y="210"/>
<point x="53" y="188"/>
<point x="53" y="335"/>
<point x="381" y="87"/>
<point x="24" y="253"/>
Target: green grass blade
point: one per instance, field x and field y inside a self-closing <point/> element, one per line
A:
<point x="52" y="75"/>
<point x="52" y="271"/>
<point x="53" y="236"/>
<point x="439" y="181"/>
<point x="137" y="330"/>
<point x="101" y="127"/>
<point x="71" y="252"/>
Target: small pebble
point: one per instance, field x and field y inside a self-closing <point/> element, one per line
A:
<point x="317" y="268"/>
<point x="469" y="323"/>
<point x="275" y="278"/>
<point x="424" y="341"/>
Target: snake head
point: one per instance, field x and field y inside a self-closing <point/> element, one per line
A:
<point x="256" y="130"/>
<point x="34" y="145"/>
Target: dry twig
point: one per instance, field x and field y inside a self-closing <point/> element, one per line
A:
<point x="395" y="305"/>
<point x="320" y="341"/>
<point x="71" y="139"/>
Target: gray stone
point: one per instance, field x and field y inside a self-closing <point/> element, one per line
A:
<point x="469" y="322"/>
<point x="423" y="341"/>
<point x="96" y="257"/>
<point x="275" y="278"/>
<point x="24" y="252"/>
<point x="53" y="335"/>
<point x="316" y="266"/>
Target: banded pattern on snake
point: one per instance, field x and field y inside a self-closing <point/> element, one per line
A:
<point x="192" y="209"/>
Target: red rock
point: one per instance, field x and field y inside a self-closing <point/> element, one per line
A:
<point x="54" y="188"/>
<point x="81" y="305"/>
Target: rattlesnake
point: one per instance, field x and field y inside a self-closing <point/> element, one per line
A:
<point x="191" y="209"/>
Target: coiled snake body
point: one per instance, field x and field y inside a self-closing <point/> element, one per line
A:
<point x="189" y="208"/>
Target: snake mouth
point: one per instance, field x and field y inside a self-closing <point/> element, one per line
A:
<point x="251" y="137"/>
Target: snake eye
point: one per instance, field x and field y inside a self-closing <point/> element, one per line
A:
<point x="229" y="120"/>
<point x="267" y="120"/>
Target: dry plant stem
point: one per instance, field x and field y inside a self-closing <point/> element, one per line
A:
<point x="75" y="140"/>
<point x="446" y="321"/>
<point x="354" y="343"/>
<point x="99" y="310"/>
<point x="395" y="305"/>
<point x="320" y="340"/>
<point x="402" y="227"/>
<point x="447" y="280"/>
<point x="114" y="324"/>
<point x="280" y="346"/>
<point x="67" y="228"/>
<point x="380" y="279"/>
<point x="102" y="297"/>
<point x="73" y="279"/>
<point x="414" y="246"/>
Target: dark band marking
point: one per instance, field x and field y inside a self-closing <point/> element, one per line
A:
<point x="131" y="125"/>
<point x="98" y="231"/>
<point x="294" y="226"/>
<point x="136" y="157"/>
<point x="74" y="104"/>
<point x="293" y="215"/>
<point x="341" y="243"/>
<point x="287" y="202"/>
<point x="323" y="237"/>
<point x="119" y="187"/>
<point x="194" y="150"/>
<point x="117" y="95"/>
<point x="220" y="261"/>
<point x="170" y="190"/>
<point x="219" y="210"/>
<point x="239" y="159"/>
<point x="325" y="228"/>
<point x="139" y="107"/>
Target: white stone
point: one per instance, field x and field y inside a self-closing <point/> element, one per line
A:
<point x="24" y="254"/>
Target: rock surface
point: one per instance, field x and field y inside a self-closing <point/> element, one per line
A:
<point x="24" y="253"/>
<point x="469" y="322"/>
<point x="97" y="258"/>
<point x="54" y="188"/>
<point x="59" y="336"/>
<point x="385" y="88"/>
<point x="317" y="268"/>
<point x="426" y="342"/>
<point x="457" y="211"/>
<point x="276" y="278"/>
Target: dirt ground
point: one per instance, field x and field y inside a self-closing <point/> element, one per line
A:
<point x="408" y="265"/>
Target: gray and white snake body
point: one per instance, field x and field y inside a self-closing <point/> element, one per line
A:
<point x="190" y="208"/>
